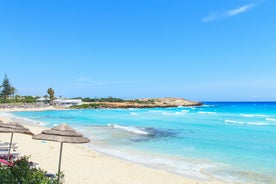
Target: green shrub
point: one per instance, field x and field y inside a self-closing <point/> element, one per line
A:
<point x="17" y="99"/>
<point x="88" y="106"/>
<point x="29" y="99"/>
<point x="21" y="173"/>
<point x="109" y="99"/>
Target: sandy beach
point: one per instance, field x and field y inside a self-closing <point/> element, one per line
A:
<point x="82" y="165"/>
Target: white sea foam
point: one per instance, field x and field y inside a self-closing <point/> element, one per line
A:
<point x="256" y="123"/>
<point x="134" y="113"/>
<point x="270" y="119"/>
<point x="175" y="113"/>
<point x="246" y="123"/>
<point x="22" y="119"/>
<point x="232" y="121"/>
<point x="253" y="115"/>
<point x="204" y="112"/>
<point x="185" y="111"/>
<point x="208" y="105"/>
<point x="186" y="107"/>
<point x="131" y="129"/>
<point x="189" y="168"/>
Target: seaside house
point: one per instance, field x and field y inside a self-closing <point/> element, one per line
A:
<point x="67" y="102"/>
<point x="43" y="100"/>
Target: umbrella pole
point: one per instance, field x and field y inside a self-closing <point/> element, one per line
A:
<point x="60" y="153"/>
<point x="10" y="147"/>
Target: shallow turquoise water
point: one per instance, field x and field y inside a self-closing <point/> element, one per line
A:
<point x="233" y="141"/>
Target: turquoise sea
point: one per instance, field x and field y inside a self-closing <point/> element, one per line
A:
<point x="235" y="142"/>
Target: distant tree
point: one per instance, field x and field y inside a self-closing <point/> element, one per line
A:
<point x="7" y="88"/>
<point x="13" y="91"/>
<point x="29" y="99"/>
<point x="51" y="93"/>
<point x="17" y="98"/>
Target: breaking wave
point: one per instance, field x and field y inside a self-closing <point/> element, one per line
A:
<point x="253" y="115"/>
<point x="146" y="132"/>
<point x="131" y="129"/>
<point x="176" y="113"/>
<point x="134" y="113"/>
<point x="270" y="119"/>
<point x="246" y="123"/>
<point x="203" y="112"/>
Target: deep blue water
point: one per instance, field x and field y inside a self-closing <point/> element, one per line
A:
<point x="233" y="141"/>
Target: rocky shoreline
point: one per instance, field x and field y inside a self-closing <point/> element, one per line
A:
<point x="143" y="103"/>
<point x="10" y="107"/>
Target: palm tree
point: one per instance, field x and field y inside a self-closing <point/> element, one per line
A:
<point x="51" y="93"/>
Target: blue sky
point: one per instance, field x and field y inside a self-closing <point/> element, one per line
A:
<point x="197" y="49"/>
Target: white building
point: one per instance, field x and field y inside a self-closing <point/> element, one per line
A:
<point x="67" y="102"/>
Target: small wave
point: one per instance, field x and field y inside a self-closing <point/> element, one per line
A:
<point x="208" y="105"/>
<point x="168" y="113"/>
<point x="181" y="166"/>
<point x="270" y="119"/>
<point x="247" y="123"/>
<point x="253" y="115"/>
<point x="134" y="113"/>
<point x="232" y="121"/>
<point x="24" y="120"/>
<point x="131" y="129"/>
<point x="203" y="112"/>
<point x="146" y="133"/>
<point x="185" y="111"/>
<point x="257" y="123"/>
<point x="175" y="113"/>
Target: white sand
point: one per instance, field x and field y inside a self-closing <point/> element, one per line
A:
<point x="82" y="165"/>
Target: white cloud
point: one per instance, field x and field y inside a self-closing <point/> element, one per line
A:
<point x="228" y="13"/>
<point x="210" y="17"/>
<point x="239" y="10"/>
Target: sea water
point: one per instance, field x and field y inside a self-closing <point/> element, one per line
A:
<point x="235" y="142"/>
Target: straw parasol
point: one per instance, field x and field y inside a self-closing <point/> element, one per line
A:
<point x="63" y="134"/>
<point x="13" y="127"/>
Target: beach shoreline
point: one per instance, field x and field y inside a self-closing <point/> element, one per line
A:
<point x="119" y="170"/>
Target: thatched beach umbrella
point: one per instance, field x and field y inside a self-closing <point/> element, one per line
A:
<point x="63" y="134"/>
<point x="13" y="127"/>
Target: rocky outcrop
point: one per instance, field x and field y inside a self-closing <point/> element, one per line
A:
<point x="146" y="103"/>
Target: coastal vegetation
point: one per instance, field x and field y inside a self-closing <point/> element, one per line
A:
<point x="19" y="99"/>
<point x="51" y="93"/>
<point x="89" y="106"/>
<point x="9" y="98"/>
<point x="22" y="172"/>
<point x="111" y="102"/>
<point x="8" y="94"/>
<point x="7" y="88"/>
<point x="109" y="99"/>
<point x="112" y="99"/>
